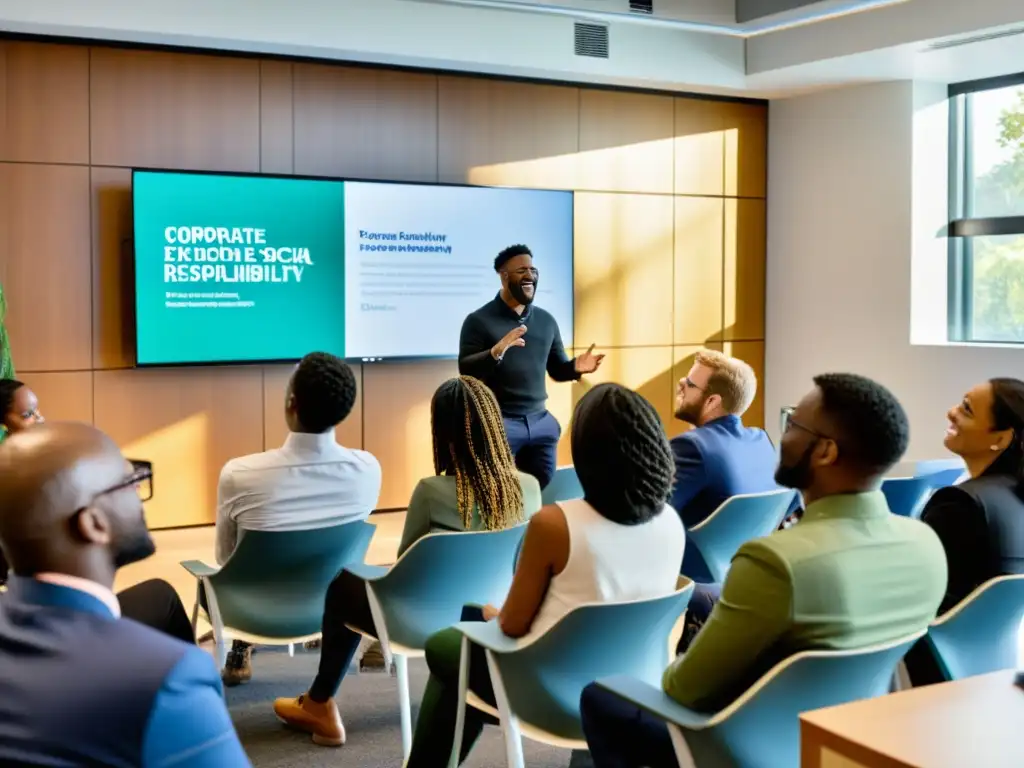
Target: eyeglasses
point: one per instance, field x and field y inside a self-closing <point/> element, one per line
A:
<point x="141" y="478"/>
<point x="524" y="271"/>
<point x="787" y="422"/>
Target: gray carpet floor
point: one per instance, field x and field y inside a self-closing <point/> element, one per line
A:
<point x="369" y="708"/>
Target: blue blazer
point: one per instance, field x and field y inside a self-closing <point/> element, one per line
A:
<point x="719" y="460"/>
<point x="79" y="687"/>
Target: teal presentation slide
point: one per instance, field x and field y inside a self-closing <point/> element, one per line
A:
<point x="237" y="268"/>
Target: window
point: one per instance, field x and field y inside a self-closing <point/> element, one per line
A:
<point x="986" y="285"/>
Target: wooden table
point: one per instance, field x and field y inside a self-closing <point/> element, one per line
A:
<point x="972" y="723"/>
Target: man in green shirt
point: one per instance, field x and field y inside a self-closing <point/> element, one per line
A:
<point x="849" y="575"/>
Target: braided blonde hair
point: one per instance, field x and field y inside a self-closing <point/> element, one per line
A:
<point x="470" y="443"/>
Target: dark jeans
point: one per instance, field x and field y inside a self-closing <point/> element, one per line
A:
<point x="534" y="442"/>
<point x="435" y="726"/>
<point x="621" y="735"/>
<point x="156" y="604"/>
<point x="346" y="603"/>
<point x="704" y="598"/>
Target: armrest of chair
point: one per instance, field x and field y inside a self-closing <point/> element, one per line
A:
<point x="198" y="568"/>
<point x="488" y="634"/>
<point x="653" y="700"/>
<point x="367" y="572"/>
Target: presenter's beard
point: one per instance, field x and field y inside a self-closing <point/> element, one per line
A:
<point x="523" y="297"/>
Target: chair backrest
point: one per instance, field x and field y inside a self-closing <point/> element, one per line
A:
<point x="440" y="573"/>
<point x="761" y="729"/>
<point x="980" y="634"/>
<point x="544" y="679"/>
<point x="275" y="581"/>
<point x="945" y="467"/>
<point x="906" y="496"/>
<point x="738" y="520"/>
<point x="564" y="486"/>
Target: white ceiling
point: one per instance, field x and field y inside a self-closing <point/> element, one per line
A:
<point x="882" y="43"/>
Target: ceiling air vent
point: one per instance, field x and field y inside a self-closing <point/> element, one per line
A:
<point x="958" y="41"/>
<point x="642" y="6"/>
<point x="591" y="40"/>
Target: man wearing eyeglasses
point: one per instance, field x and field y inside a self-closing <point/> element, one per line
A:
<point x="511" y="345"/>
<point x="70" y="516"/>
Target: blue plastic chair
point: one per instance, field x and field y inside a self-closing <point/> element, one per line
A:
<point x="425" y="591"/>
<point x="738" y="520"/>
<point x="906" y="496"/>
<point x="943" y="472"/>
<point x="538" y="682"/>
<point x="564" y="486"/>
<point x="761" y="729"/>
<point x="271" y="590"/>
<point x="980" y="634"/>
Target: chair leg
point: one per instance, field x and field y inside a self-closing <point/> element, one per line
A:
<point x="291" y="650"/>
<point x="683" y="755"/>
<point x="195" y="608"/>
<point x="900" y="679"/>
<point x="509" y="722"/>
<point x="460" y="713"/>
<point x="404" y="704"/>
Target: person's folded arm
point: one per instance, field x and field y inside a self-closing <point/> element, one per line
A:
<point x="690" y="478"/>
<point x="560" y="367"/>
<point x="545" y="553"/>
<point x="418" y="517"/>
<point x="960" y="524"/>
<point x="755" y="610"/>
<point x="189" y="724"/>
<point x="226" y="531"/>
<point x="475" y="358"/>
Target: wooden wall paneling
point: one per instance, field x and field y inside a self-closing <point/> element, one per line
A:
<point x="175" y="110"/>
<point x="623" y="270"/>
<point x="365" y="123"/>
<point x="753" y="353"/>
<point x="648" y="370"/>
<point x="113" y="268"/>
<point x="698" y="271"/>
<point x="64" y="396"/>
<point x="277" y="135"/>
<point x="700" y="146"/>
<point x="396" y="423"/>
<point x="44" y="103"/>
<point x="626" y="142"/>
<point x="746" y="149"/>
<point x="275" y="382"/>
<point x="507" y="134"/>
<point x="745" y="265"/>
<point x="45" y="267"/>
<point x="188" y="422"/>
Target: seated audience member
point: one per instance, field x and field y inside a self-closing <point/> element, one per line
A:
<point x="78" y="685"/>
<point x="720" y="458"/>
<point x="310" y="482"/>
<point x="980" y="521"/>
<point x="849" y="575"/>
<point x="477" y="487"/>
<point x="154" y="603"/>
<point x="621" y="541"/>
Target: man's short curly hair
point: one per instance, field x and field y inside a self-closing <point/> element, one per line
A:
<point x="508" y="254"/>
<point x="871" y="426"/>
<point x="324" y="389"/>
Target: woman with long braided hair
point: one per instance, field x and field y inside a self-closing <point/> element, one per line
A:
<point x="621" y="541"/>
<point x="476" y="487"/>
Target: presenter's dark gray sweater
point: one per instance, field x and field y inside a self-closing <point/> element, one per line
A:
<point x="517" y="380"/>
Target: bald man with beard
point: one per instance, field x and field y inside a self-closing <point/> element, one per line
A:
<point x="78" y="684"/>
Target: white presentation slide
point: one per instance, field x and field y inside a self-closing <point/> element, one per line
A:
<point x="419" y="258"/>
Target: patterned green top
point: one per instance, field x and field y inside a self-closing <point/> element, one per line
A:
<point x="6" y="363"/>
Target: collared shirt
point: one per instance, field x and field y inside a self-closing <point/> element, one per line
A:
<point x="849" y="575"/>
<point x="91" y="588"/>
<point x="310" y="482"/>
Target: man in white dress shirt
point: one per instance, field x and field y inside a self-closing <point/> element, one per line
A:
<point x="310" y="482"/>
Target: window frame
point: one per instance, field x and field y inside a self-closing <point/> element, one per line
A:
<point x="963" y="225"/>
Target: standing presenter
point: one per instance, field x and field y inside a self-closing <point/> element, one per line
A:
<point x="509" y="344"/>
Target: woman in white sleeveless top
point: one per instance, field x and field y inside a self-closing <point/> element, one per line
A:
<point x="621" y="541"/>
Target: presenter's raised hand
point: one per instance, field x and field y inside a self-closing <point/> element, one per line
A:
<point x="588" y="362"/>
<point x="513" y="338"/>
